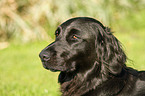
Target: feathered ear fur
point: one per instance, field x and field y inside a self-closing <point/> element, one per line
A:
<point x="109" y="51"/>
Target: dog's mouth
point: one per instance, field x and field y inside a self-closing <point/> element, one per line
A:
<point x="53" y="70"/>
<point x="49" y="68"/>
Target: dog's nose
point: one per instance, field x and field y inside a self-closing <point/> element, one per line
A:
<point x="44" y="57"/>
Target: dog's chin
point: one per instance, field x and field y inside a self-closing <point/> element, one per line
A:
<point x="51" y="69"/>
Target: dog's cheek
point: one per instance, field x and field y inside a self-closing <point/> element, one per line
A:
<point x="64" y="54"/>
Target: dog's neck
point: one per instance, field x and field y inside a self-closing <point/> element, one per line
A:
<point x="72" y="83"/>
<point x="78" y="84"/>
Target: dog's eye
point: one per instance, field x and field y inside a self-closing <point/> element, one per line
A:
<point x="74" y="37"/>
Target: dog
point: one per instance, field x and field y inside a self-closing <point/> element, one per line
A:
<point x="91" y="61"/>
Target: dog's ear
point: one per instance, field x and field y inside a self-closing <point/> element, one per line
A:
<point x="109" y="51"/>
<point x="117" y="57"/>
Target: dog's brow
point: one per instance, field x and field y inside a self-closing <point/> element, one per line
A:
<point x="60" y="27"/>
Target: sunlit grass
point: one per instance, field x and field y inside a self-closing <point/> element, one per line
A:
<point x="134" y="45"/>
<point x="22" y="74"/>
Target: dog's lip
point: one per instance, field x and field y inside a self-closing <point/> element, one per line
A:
<point x="51" y="69"/>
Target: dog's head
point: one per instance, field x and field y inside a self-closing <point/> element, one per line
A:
<point x="81" y="45"/>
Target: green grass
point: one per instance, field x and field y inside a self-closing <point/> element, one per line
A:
<point x="134" y="46"/>
<point x="22" y="74"/>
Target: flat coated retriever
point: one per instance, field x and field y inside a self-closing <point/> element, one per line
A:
<point x="91" y="61"/>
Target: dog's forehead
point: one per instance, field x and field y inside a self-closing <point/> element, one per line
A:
<point x="75" y="23"/>
<point x="83" y="24"/>
<point x="82" y="27"/>
<point x="80" y="20"/>
<point x="71" y="23"/>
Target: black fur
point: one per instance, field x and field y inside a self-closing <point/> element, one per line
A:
<point x="91" y="61"/>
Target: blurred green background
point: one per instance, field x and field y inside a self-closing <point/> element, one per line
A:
<point x="27" y="26"/>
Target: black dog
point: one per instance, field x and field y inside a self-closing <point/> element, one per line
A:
<point x="91" y="61"/>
